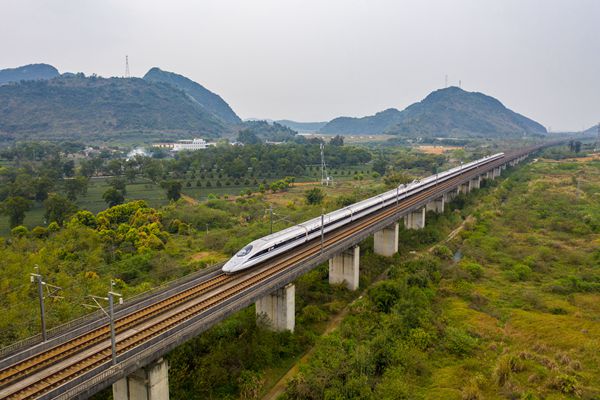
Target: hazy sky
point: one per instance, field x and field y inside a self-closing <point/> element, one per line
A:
<point x="312" y="60"/>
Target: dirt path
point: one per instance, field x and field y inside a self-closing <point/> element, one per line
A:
<point x="278" y="389"/>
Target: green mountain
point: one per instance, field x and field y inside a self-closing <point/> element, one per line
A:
<point x="88" y="108"/>
<point x="29" y="72"/>
<point x="212" y="102"/>
<point x="373" y="124"/>
<point x="302" y="126"/>
<point x="450" y="112"/>
<point x="266" y="130"/>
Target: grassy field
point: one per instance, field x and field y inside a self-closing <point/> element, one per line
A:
<point x="534" y="306"/>
<point x="511" y="310"/>
<point x="92" y="201"/>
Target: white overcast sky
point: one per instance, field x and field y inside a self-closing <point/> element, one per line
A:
<point x="312" y="60"/>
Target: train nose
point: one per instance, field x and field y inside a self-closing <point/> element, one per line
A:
<point x="231" y="266"/>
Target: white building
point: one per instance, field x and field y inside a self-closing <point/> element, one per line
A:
<point x="186" y="144"/>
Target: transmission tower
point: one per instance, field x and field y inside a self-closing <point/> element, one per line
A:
<point x="127" y="67"/>
<point x="325" y="178"/>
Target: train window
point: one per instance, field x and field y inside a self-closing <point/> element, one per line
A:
<point x="244" y="251"/>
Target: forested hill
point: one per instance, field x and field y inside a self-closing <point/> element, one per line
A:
<point x="29" y="72"/>
<point x="373" y="124"/>
<point x="302" y="126"/>
<point x="83" y="108"/>
<point x="212" y="102"/>
<point x="445" y="112"/>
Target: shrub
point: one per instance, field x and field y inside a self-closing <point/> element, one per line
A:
<point x="314" y="196"/>
<point x="505" y="366"/>
<point x="459" y="342"/>
<point x="39" y="232"/>
<point x="313" y="313"/>
<point x="474" y="270"/>
<point x="53" y="227"/>
<point x="566" y="384"/>
<point x="442" y="252"/>
<point x="385" y="294"/>
<point x="19" y="231"/>
<point x="522" y="271"/>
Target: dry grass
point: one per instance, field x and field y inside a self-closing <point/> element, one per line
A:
<point x="437" y="149"/>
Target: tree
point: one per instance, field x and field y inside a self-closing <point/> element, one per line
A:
<point x="58" y="209"/>
<point x="246" y="136"/>
<point x="314" y="196"/>
<point x="130" y="170"/>
<point x="113" y="197"/>
<point x="69" y="168"/>
<point x="173" y="189"/>
<point x="393" y="179"/>
<point x="115" y="167"/>
<point x="380" y="166"/>
<point x="42" y="186"/>
<point x="76" y="186"/>
<point x="337" y="140"/>
<point x="15" y="208"/>
<point x="119" y="184"/>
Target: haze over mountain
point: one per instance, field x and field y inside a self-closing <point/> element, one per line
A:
<point x="212" y="102"/>
<point x="445" y="112"/>
<point x="28" y="73"/>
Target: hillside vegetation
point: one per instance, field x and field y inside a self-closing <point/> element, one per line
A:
<point x="29" y="72"/>
<point x="92" y="108"/>
<point x="450" y="112"/>
<point x="512" y="315"/>
<point x="212" y="102"/>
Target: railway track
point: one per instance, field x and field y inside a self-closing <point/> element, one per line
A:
<point x="28" y="380"/>
<point x="54" y="354"/>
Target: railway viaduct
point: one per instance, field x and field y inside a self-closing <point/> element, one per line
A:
<point x="76" y="359"/>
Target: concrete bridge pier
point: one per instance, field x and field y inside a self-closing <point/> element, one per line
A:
<point x="386" y="241"/>
<point x="497" y="172"/>
<point x="464" y="188"/>
<point x="344" y="267"/>
<point x="415" y="219"/>
<point x="475" y="183"/>
<point x="451" y="195"/>
<point x="148" y="383"/>
<point x="279" y="308"/>
<point x="437" y="205"/>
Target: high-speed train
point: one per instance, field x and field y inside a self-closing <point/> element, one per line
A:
<point x="269" y="246"/>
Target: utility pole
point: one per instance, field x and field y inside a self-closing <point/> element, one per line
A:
<point x="113" y="342"/>
<point x="40" y="286"/>
<point x="271" y="217"/>
<point x="110" y="314"/>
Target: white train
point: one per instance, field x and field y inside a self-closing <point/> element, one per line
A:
<point x="270" y="246"/>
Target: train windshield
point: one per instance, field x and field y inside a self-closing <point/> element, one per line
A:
<point x="244" y="251"/>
